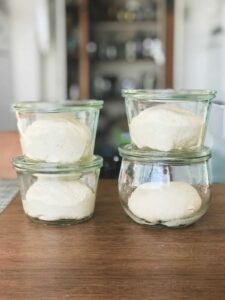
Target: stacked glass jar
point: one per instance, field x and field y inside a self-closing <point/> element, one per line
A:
<point x="58" y="172"/>
<point x="164" y="177"/>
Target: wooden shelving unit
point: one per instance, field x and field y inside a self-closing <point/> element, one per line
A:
<point x="123" y="67"/>
<point x="84" y="67"/>
<point x="88" y="68"/>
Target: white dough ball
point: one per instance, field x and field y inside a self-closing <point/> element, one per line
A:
<point x="164" y="202"/>
<point x="166" y="127"/>
<point x="52" y="199"/>
<point x="57" y="140"/>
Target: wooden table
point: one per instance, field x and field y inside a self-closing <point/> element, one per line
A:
<point x="110" y="257"/>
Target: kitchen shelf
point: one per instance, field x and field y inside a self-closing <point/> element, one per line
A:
<point x="124" y="61"/>
<point x="118" y="33"/>
<point x="127" y="26"/>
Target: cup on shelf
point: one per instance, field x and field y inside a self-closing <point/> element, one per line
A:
<point x="168" y="120"/>
<point x="58" y="194"/>
<point x="58" y="132"/>
<point x="172" y="190"/>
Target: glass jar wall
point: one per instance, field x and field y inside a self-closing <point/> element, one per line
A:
<point x="58" y="132"/>
<point x="58" y="194"/>
<point x="167" y="120"/>
<point x="172" y="190"/>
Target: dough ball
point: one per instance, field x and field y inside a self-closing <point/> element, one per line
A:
<point x="166" y="127"/>
<point x="57" y="140"/>
<point x="164" y="202"/>
<point x="52" y="199"/>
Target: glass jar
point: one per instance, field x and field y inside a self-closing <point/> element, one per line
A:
<point x="167" y="120"/>
<point x="58" y="132"/>
<point x="157" y="189"/>
<point x="58" y="194"/>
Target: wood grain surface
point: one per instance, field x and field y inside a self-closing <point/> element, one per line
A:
<point x="110" y="257"/>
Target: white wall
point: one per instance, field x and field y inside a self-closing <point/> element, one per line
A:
<point x="54" y="58"/>
<point x="199" y="54"/>
<point x="38" y="49"/>
<point x="7" y="120"/>
<point x="199" y="62"/>
<point x="33" y="66"/>
<point x="25" y="55"/>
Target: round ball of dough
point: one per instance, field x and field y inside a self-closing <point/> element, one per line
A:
<point x="52" y="199"/>
<point x="56" y="140"/>
<point x="166" y="127"/>
<point x="164" y="202"/>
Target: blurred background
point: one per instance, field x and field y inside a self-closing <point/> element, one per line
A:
<point x="91" y="49"/>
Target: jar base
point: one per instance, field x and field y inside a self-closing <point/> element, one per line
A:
<point x="61" y="222"/>
<point x="174" y="151"/>
<point x="176" y="224"/>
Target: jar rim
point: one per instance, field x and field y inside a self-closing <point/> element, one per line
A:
<point x="21" y="163"/>
<point x="133" y="153"/>
<point x="58" y="106"/>
<point x="169" y="94"/>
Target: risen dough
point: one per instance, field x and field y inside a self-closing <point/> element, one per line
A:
<point x="166" y="127"/>
<point x="59" y="140"/>
<point x="58" y="198"/>
<point x="164" y="202"/>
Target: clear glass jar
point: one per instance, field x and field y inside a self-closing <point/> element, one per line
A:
<point x="172" y="190"/>
<point x="58" y="194"/>
<point x="58" y="132"/>
<point x="167" y="120"/>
